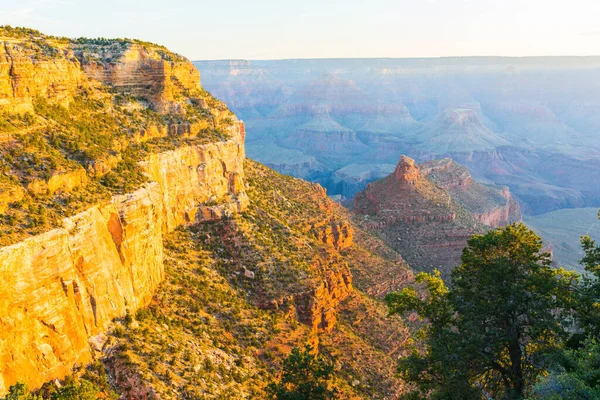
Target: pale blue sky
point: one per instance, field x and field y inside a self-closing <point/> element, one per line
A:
<point x="266" y="29"/>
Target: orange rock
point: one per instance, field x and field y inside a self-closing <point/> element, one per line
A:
<point x="61" y="287"/>
<point x="65" y="286"/>
<point x="26" y="72"/>
<point x="142" y="71"/>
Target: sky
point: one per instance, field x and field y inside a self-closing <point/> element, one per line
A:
<point x="280" y="29"/>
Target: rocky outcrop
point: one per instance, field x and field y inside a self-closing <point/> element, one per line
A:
<point x="65" y="286"/>
<point x="337" y="234"/>
<point x="201" y="183"/>
<point x="406" y="172"/>
<point x="60" y="182"/>
<point x="405" y="196"/>
<point x="490" y="205"/>
<point x="318" y="307"/>
<point x="428" y="211"/>
<point x="140" y="70"/>
<point x="27" y="70"/>
<point x="420" y="220"/>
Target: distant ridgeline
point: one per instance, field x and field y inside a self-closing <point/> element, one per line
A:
<point x="528" y="123"/>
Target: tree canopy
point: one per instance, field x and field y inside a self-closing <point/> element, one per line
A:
<point x="305" y="376"/>
<point x="487" y="334"/>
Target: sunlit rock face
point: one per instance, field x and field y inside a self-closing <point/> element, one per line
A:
<point x="63" y="287"/>
<point x="490" y="205"/>
<point x="140" y="71"/>
<point x="23" y="76"/>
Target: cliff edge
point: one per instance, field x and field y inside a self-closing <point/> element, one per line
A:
<point x="108" y="145"/>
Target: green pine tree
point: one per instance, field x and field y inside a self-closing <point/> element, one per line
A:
<point x="487" y="334"/>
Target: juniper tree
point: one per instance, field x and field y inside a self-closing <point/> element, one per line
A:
<point x="488" y="332"/>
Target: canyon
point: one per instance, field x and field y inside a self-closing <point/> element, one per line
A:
<point x="137" y="239"/>
<point x="487" y="113"/>
<point x="129" y="212"/>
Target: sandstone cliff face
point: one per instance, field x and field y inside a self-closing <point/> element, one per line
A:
<point x="62" y="287"/>
<point x="23" y="76"/>
<point x="490" y="205"/>
<point x="65" y="286"/>
<point x="201" y="183"/>
<point x="140" y="70"/>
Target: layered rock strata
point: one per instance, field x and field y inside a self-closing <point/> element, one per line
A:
<point x="63" y="287"/>
<point x="140" y="70"/>
<point x="26" y="73"/>
<point x="489" y="204"/>
<point x="420" y="220"/>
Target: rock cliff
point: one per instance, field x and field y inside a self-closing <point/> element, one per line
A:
<point x="139" y="69"/>
<point x="421" y="220"/>
<point x="62" y="287"/>
<point x="21" y="77"/>
<point x="490" y="205"/>
<point x="78" y="116"/>
<point x="65" y="286"/>
<point x="70" y="277"/>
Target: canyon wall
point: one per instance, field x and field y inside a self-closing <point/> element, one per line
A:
<point x="65" y="286"/>
<point x="140" y="70"/>
<point x="490" y="205"/>
<point x="23" y="76"/>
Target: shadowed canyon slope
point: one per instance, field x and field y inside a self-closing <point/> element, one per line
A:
<point x="236" y="290"/>
<point x="135" y="233"/>
<point x="428" y="212"/>
<point x="527" y="123"/>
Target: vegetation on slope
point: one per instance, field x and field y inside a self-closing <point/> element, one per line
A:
<point x="509" y="327"/>
<point x="234" y="304"/>
<point x="62" y="158"/>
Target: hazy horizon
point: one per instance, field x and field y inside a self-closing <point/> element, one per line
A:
<point x="275" y="30"/>
<point x="400" y="58"/>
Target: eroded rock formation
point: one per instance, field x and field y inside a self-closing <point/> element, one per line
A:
<point x="26" y="73"/>
<point x="490" y="205"/>
<point x="64" y="286"/>
<point x="140" y="70"/>
<point x="427" y="225"/>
